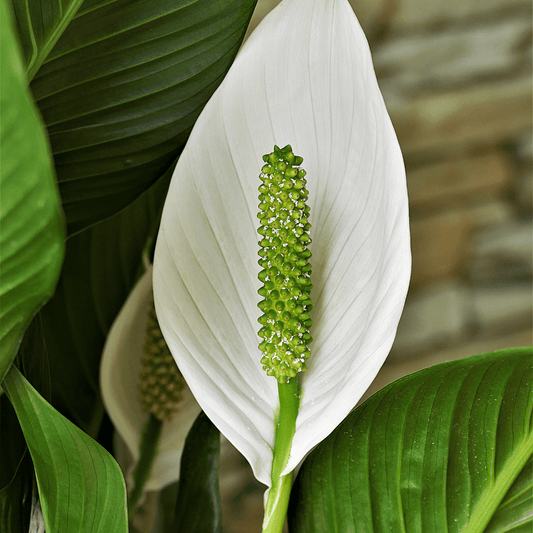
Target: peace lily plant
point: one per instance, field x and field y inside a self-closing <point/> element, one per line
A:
<point x="280" y="268"/>
<point x="289" y="84"/>
<point x="145" y="395"/>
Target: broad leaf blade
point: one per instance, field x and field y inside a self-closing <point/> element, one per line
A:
<point x="31" y="236"/>
<point x="442" y="450"/>
<point x="514" y="512"/>
<point x="80" y="485"/>
<point x="122" y="88"/>
<point x="40" y="24"/>
<point x="102" y="264"/>
<point x="198" y="507"/>
<point x="16" y="472"/>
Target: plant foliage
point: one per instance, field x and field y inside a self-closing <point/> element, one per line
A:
<point x="447" y="449"/>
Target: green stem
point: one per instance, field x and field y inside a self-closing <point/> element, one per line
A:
<point x="278" y="495"/>
<point x="148" y="451"/>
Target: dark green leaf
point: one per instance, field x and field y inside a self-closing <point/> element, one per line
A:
<point x="101" y="266"/>
<point x="16" y="472"/>
<point x="16" y="499"/>
<point x="40" y="24"/>
<point x="17" y="478"/>
<point x="166" y="502"/>
<point x="122" y="88"/>
<point x="80" y="485"/>
<point x="32" y="235"/>
<point x="441" y="450"/>
<point x="12" y="444"/>
<point x="198" y="507"/>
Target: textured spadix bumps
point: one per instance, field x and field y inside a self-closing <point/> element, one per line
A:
<point x="123" y="361"/>
<point x="161" y="381"/>
<point x="304" y="76"/>
<point x="285" y="270"/>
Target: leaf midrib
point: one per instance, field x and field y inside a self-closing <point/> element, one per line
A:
<point x="155" y="59"/>
<point x="491" y="498"/>
<point x="39" y="58"/>
<point x="133" y="26"/>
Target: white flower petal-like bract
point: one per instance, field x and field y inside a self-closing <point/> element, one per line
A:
<point x="119" y="380"/>
<point x="303" y="78"/>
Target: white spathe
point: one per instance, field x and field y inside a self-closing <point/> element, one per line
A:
<point x="304" y="78"/>
<point x="119" y="381"/>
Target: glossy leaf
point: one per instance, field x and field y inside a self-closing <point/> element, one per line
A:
<point x="122" y="87"/>
<point x="514" y="514"/>
<point x="17" y="477"/>
<point x="198" y="507"/>
<point x="32" y="235"/>
<point x="80" y="485"/>
<point x="101" y="267"/>
<point x="447" y="449"/>
<point x="40" y="24"/>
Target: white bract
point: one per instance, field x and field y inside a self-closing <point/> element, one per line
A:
<point x="119" y="380"/>
<point x="304" y="78"/>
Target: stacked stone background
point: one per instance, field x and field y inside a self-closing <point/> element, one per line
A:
<point x="456" y="78"/>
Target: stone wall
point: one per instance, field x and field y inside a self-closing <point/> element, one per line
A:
<point x="456" y="77"/>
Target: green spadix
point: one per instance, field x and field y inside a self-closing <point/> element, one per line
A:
<point x="284" y="259"/>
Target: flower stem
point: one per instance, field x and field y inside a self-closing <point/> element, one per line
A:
<point x="148" y="450"/>
<point x="278" y="495"/>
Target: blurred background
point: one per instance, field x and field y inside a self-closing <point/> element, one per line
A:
<point x="456" y="78"/>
